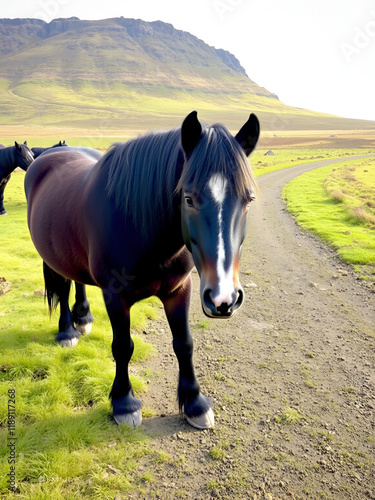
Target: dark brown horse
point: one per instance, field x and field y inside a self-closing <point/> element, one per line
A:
<point x="134" y="223"/>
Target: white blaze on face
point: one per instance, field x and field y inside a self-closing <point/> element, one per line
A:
<point x="218" y="185"/>
<point x="29" y="157"/>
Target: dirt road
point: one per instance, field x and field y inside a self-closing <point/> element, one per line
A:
<point x="292" y="376"/>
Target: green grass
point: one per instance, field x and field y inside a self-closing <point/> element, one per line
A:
<point x="217" y="453"/>
<point x="312" y="198"/>
<point x="290" y="416"/>
<point x="62" y="414"/>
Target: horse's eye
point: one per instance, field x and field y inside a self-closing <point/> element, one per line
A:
<point x="249" y="200"/>
<point x="189" y="201"/>
<point x="247" y="205"/>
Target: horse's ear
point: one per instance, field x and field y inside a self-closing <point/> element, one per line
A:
<point x="25" y="142"/>
<point x="17" y="145"/>
<point x="191" y="132"/>
<point x="249" y="134"/>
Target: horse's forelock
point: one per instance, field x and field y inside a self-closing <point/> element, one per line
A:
<point x="218" y="152"/>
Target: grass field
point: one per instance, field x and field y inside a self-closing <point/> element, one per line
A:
<point x="64" y="434"/>
<point x="337" y="204"/>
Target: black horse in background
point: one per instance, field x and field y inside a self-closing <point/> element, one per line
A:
<point x="19" y="155"/>
<point x="38" y="151"/>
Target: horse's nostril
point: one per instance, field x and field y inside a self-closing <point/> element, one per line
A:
<point x="207" y="296"/>
<point x="223" y="308"/>
<point x="239" y="300"/>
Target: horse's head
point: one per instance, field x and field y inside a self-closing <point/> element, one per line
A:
<point x="24" y="155"/>
<point x="217" y="186"/>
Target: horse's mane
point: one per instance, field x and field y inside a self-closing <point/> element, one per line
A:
<point x="142" y="175"/>
<point x="145" y="175"/>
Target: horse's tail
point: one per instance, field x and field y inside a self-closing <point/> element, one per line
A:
<point x="55" y="287"/>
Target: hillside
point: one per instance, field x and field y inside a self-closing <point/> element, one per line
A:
<point x="120" y="72"/>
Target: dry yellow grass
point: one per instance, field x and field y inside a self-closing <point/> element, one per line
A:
<point x="310" y="139"/>
<point x="362" y="214"/>
<point x="346" y="139"/>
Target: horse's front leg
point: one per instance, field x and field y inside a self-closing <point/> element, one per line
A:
<point x="197" y="408"/>
<point x="3" y="183"/>
<point x="126" y="408"/>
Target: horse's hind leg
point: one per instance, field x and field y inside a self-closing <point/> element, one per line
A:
<point x="126" y="408"/>
<point x="197" y="407"/>
<point x="82" y="316"/>
<point x="57" y="291"/>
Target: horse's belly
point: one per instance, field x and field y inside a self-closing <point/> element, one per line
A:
<point x="54" y="213"/>
<point x="60" y="250"/>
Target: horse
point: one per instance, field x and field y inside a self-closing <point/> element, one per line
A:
<point x="134" y="224"/>
<point x="12" y="157"/>
<point x="37" y="151"/>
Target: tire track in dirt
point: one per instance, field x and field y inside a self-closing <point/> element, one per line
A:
<point x="302" y="346"/>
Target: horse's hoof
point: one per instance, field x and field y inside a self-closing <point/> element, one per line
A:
<point x="132" y="419"/>
<point x="84" y="329"/>
<point x="68" y="342"/>
<point x="205" y="421"/>
<point x="3" y="213"/>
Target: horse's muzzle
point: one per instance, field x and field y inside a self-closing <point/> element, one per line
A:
<point x="224" y="309"/>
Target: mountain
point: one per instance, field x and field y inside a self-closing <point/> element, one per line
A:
<point x="126" y="72"/>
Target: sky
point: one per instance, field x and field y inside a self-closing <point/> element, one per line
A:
<point x="313" y="54"/>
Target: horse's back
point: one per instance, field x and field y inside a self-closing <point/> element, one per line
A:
<point x="55" y="191"/>
<point x="92" y="154"/>
<point x="63" y="167"/>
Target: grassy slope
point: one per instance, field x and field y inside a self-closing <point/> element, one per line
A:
<point x="120" y="105"/>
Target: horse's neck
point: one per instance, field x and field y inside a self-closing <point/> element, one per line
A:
<point x="7" y="161"/>
<point x="38" y="151"/>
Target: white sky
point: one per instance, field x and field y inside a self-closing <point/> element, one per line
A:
<point x="314" y="54"/>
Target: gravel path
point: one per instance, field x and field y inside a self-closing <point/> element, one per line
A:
<point x="292" y="376"/>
